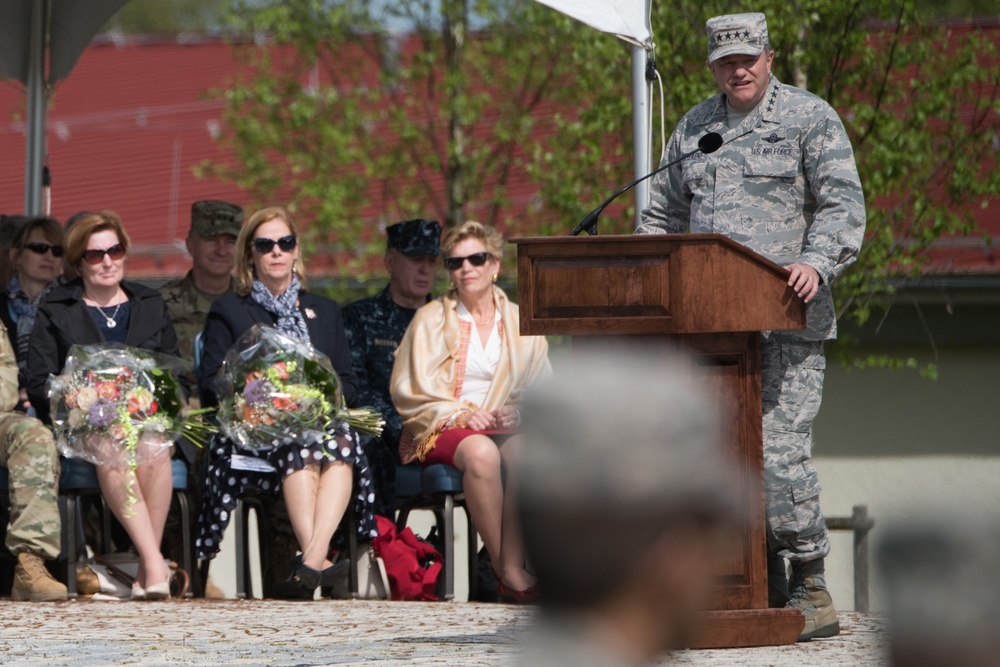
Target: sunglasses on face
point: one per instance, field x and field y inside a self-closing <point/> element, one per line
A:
<point x="41" y="248"/>
<point x="455" y="263"/>
<point x="95" y="256"/>
<point x="285" y="243"/>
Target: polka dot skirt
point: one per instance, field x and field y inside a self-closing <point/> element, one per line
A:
<point x="225" y="484"/>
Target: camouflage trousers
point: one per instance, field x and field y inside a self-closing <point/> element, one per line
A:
<point x="28" y="451"/>
<point x="791" y="390"/>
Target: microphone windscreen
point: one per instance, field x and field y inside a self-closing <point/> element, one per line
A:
<point x="710" y="142"/>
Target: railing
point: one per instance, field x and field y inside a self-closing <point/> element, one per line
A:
<point x="861" y="524"/>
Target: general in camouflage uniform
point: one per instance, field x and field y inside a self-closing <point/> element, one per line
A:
<point x="784" y="184"/>
<point x="374" y="328"/>
<point x="28" y="451"/>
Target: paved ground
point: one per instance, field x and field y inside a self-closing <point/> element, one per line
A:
<point x="308" y="634"/>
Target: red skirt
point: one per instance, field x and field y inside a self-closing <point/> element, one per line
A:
<point x="447" y="443"/>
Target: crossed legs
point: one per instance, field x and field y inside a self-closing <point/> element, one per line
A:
<point x="145" y="519"/>
<point x="317" y="497"/>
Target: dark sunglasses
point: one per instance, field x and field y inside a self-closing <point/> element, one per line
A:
<point x="264" y="246"/>
<point x="455" y="263"/>
<point x="41" y="248"/>
<point x="115" y="252"/>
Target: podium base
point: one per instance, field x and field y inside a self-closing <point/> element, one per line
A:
<point x="748" y="627"/>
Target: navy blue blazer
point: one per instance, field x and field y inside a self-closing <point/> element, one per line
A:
<point x="232" y="315"/>
<point x="64" y="320"/>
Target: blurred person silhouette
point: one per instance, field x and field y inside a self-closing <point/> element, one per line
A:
<point x="625" y="499"/>
<point x="943" y="591"/>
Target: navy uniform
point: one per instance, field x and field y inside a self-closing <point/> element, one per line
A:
<point x="374" y="328"/>
<point x="784" y="184"/>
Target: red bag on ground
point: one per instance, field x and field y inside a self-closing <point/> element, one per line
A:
<point x="405" y="557"/>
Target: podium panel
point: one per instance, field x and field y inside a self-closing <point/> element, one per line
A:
<point x="712" y="296"/>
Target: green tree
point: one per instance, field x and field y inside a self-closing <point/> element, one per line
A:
<point x="919" y="100"/>
<point x="168" y="17"/>
<point x="340" y="115"/>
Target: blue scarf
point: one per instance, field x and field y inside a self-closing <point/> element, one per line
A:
<point x="285" y="307"/>
<point x="23" y="312"/>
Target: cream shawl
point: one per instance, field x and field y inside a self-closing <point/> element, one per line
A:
<point x="429" y="370"/>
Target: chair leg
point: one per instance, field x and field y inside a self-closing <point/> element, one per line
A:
<point x="447" y="523"/>
<point x="240" y="529"/>
<point x="71" y="509"/>
<point x="352" y="550"/>
<point x="188" y="564"/>
<point x="473" y="554"/>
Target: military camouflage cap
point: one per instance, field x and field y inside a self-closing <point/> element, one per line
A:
<point x="415" y="237"/>
<point x="210" y="217"/>
<point x="9" y="226"/>
<point x="732" y="34"/>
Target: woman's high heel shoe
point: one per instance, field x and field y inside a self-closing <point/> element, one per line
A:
<point x="160" y="591"/>
<point x="137" y="592"/>
<point x="306" y="577"/>
<point x="510" y="596"/>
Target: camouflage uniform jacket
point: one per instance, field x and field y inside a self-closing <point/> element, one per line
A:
<point x="374" y="328"/>
<point x="188" y="307"/>
<point x="784" y="184"/>
<point x="8" y="373"/>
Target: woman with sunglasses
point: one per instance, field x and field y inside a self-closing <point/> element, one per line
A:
<point x="459" y="372"/>
<point x="271" y="290"/>
<point x="100" y="306"/>
<point x="36" y="256"/>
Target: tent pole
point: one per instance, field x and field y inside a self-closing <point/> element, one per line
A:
<point x="35" y="139"/>
<point x="640" y="129"/>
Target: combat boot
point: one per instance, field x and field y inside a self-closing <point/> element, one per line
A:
<point x="32" y="581"/>
<point x="808" y="594"/>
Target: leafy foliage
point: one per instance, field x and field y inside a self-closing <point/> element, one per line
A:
<point x="508" y="108"/>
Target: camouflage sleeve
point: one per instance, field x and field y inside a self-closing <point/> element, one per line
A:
<point x="837" y="230"/>
<point x="8" y="372"/>
<point x="669" y="210"/>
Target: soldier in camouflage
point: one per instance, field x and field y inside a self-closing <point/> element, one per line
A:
<point x="211" y="242"/>
<point x="785" y="185"/>
<point x="374" y="328"/>
<point x="28" y="451"/>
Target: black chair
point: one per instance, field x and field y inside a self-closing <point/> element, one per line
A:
<point x="438" y="489"/>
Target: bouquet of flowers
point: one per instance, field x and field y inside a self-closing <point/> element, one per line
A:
<point x="116" y="404"/>
<point x="276" y="390"/>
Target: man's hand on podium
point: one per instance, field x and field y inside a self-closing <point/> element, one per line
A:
<point x="804" y="280"/>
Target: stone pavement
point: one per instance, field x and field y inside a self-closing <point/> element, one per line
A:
<point x="308" y="634"/>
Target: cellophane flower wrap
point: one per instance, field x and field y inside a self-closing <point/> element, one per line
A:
<point x="115" y="405"/>
<point x="274" y="390"/>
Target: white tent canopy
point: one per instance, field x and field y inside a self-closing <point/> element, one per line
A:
<point x="628" y="20"/>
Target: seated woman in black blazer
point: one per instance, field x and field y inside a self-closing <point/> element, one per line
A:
<point x="98" y="307"/>
<point x="270" y="289"/>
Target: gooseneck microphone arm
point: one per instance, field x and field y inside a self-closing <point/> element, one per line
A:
<point x="707" y="144"/>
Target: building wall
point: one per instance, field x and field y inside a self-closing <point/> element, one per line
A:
<point x="897" y="442"/>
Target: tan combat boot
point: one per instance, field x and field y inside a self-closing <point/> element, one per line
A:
<point x="810" y="596"/>
<point x="33" y="582"/>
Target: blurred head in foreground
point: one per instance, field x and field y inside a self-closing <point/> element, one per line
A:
<point x="625" y="498"/>
<point x="942" y="576"/>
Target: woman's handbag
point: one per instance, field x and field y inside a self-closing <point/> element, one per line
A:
<point x="373" y="583"/>
<point x="110" y="577"/>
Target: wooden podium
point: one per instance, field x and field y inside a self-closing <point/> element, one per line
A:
<point x="714" y="296"/>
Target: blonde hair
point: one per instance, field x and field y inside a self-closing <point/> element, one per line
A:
<point x="87" y="224"/>
<point x="245" y="271"/>
<point x="489" y="236"/>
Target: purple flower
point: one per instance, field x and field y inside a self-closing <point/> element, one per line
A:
<point x="102" y="413"/>
<point x="257" y="391"/>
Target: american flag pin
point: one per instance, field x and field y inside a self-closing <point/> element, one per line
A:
<point x="310" y="313"/>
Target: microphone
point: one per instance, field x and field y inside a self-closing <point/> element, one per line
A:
<point x="709" y="143"/>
